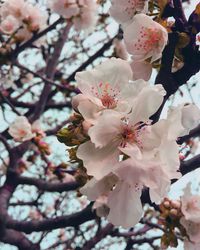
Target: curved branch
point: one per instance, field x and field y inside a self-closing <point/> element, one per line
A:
<point x="48" y="186"/>
<point x="72" y="220"/>
<point x="16" y="238"/>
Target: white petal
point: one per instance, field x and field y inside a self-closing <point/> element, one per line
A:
<point x="125" y="206"/>
<point x="147" y="103"/>
<point x="89" y="110"/>
<point x="98" y="162"/>
<point x="93" y="188"/>
<point x="141" y="70"/>
<point x="190" y="117"/>
<point x="107" y="129"/>
<point x="116" y="72"/>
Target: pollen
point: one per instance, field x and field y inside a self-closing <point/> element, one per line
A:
<point x="149" y="39"/>
<point x="108" y="95"/>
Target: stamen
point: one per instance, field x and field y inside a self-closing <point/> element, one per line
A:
<point x="108" y="95"/>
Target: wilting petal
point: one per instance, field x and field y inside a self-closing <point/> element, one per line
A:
<point x="125" y="205"/>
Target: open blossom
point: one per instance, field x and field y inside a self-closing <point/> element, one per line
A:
<point x="145" y="38"/>
<point x="123" y="11"/>
<point x="65" y="8"/>
<point x="21" y="130"/>
<point x="9" y="25"/>
<point x="107" y="86"/>
<point x="82" y="12"/>
<point x="161" y="138"/>
<point x="190" y="205"/>
<point x="121" y="130"/>
<point x="22" y="18"/>
<point x="121" y="190"/>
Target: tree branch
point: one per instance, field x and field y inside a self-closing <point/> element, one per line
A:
<point x="72" y="220"/>
<point x="16" y="238"/>
<point x="48" y="186"/>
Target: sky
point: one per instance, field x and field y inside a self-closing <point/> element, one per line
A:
<point x="176" y="189"/>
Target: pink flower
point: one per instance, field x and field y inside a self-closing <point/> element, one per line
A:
<point x="21" y="129"/>
<point x="65" y="8"/>
<point x="121" y="190"/>
<point x="104" y="87"/>
<point x="161" y="138"/>
<point x="87" y="18"/>
<point x="123" y="11"/>
<point x="13" y="8"/>
<point x="82" y="12"/>
<point x="113" y="130"/>
<point x="21" y="16"/>
<point x="190" y="206"/>
<point x="9" y="25"/>
<point x="145" y="38"/>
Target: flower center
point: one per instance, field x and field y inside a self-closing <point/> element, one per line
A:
<point x="149" y="39"/>
<point x="107" y="94"/>
<point x="22" y="132"/>
<point x="132" y="133"/>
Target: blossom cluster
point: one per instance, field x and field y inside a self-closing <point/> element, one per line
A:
<point x="123" y="150"/>
<point x="21" y="130"/>
<point x="144" y="38"/>
<point x="190" y="207"/>
<point x="20" y="19"/>
<point x="182" y="214"/>
<point x="83" y="13"/>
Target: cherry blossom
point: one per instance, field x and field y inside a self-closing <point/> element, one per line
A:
<point x="145" y="38"/>
<point x="123" y="11"/>
<point x="9" y="25"/>
<point x="190" y="208"/>
<point x="107" y="86"/>
<point x="121" y="131"/>
<point x="190" y="205"/>
<point x="121" y="190"/>
<point x="65" y="8"/>
<point x="161" y="138"/>
<point x="21" y="129"/>
<point x="21" y="18"/>
<point x="82" y="12"/>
